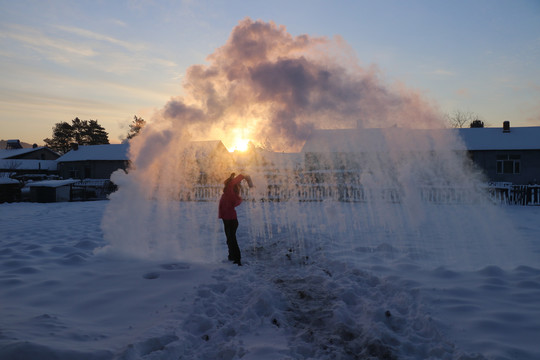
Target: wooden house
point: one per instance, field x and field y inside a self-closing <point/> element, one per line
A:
<point x="93" y="161"/>
<point x="510" y="155"/>
<point x="20" y="162"/>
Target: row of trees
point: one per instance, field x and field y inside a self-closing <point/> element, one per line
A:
<point x="85" y="132"/>
<point x="90" y="132"/>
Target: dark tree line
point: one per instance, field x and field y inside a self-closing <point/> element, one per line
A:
<point x="82" y="132"/>
<point x="85" y="132"/>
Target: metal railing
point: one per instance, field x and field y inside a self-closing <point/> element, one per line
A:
<point x="503" y="194"/>
<point x="515" y="194"/>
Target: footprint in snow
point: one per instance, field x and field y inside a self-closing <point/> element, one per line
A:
<point x="151" y="275"/>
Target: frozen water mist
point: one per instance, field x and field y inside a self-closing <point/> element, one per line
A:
<point x="277" y="90"/>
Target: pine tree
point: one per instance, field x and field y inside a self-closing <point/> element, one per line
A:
<point x="135" y="127"/>
<point x="61" y="139"/>
<point x="95" y="134"/>
<point x="82" y="132"/>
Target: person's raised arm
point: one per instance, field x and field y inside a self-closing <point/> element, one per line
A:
<point x="237" y="179"/>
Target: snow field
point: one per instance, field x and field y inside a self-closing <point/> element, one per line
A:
<point x="304" y="292"/>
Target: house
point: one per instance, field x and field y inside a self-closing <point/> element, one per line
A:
<point x="34" y="153"/>
<point x="21" y="162"/>
<point x="503" y="154"/>
<point x="267" y="161"/>
<point x="93" y="161"/>
<point x="213" y="161"/>
<point x="342" y="154"/>
<point x="506" y="154"/>
<point x="99" y="161"/>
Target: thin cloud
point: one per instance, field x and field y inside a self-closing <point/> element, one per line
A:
<point x="101" y="37"/>
<point x="118" y="22"/>
<point x="19" y="99"/>
<point x="104" y="53"/>
<point x="45" y="44"/>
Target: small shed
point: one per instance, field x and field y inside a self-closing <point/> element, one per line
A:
<point x="10" y="190"/>
<point x="51" y="190"/>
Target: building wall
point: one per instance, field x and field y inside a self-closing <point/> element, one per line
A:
<point x="42" y="194"/>
<point x="333" y="161"/>
<point x="90" y="169"/>
<point x="490" y="163"/>
<point x="525" y="164"/>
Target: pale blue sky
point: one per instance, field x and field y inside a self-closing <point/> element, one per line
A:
<point x="110" y="60"/>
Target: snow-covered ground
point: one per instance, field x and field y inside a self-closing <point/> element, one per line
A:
<point x="323" y="289"/>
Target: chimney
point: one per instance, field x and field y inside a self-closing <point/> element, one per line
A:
<point x="506" y="126"/>
<point x="74" y="146"/>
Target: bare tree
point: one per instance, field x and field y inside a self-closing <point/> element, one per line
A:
<point x="459" y="119"/>
<point x="10" y="165"/>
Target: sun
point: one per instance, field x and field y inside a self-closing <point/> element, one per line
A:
<point x="240" y="145"/>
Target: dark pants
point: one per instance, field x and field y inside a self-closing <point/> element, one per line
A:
<point x="230" y="232"/>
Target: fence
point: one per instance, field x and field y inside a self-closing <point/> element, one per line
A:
<point x="515" y="194"/>
<point x="503" y="194"/>
<point x="91" y="189"/>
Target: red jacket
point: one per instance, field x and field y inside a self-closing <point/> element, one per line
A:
<point x="229" y="200"/>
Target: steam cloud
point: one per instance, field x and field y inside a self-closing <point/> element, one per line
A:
<point x="277" y="88"/>
<point x="274" y="89"/>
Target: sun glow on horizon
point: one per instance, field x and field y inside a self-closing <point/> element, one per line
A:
<point x="240" y="145"/>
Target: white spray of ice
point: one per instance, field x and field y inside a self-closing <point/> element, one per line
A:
<point x="276" y="89"/>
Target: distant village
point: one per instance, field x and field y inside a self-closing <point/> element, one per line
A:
<point x="509" y="158"/>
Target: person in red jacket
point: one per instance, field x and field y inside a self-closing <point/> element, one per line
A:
<point x="229" y="200"/>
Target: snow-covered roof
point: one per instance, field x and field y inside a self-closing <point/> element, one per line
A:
<point x="96" y="152"/>
<point x="6" y="180"/>
<point x="380" y="140"/>
<point x="402" y="139"/>
<point x="52" y="183"/>
<point x="519" y="138"/>
<point x="6" y="154"/>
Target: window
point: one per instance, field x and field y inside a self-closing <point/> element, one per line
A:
<point x="73" y="173"/>
<point x="508" y="164"/>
